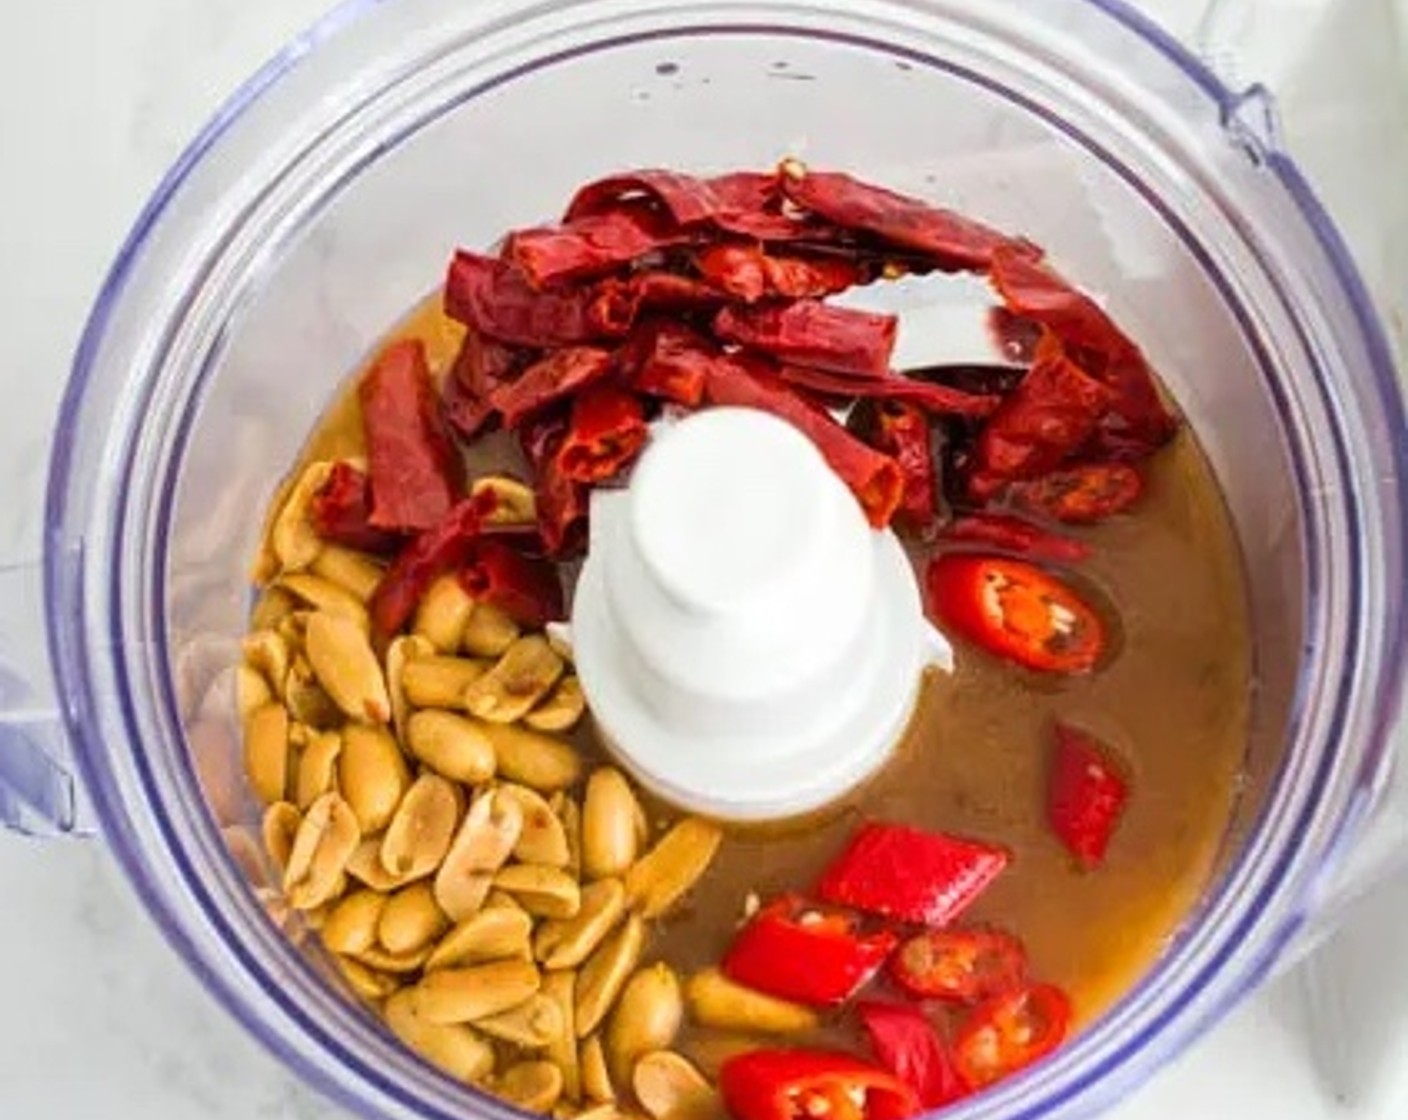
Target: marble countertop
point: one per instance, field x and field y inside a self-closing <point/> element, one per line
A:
<point x="97" y="1015"/>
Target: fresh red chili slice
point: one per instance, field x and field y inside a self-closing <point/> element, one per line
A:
<point x="562" y="503"/>
<point x="809" y="333"/>
<point x="950" y="240"/>
<point x="938" y="399"/>
<point x="590" y="246"/>
<point x="554" y="377"/>
<point x="808" y="954"/>
<point x="1080" y="495"/>
<point x="1015" y="610"/>
<point x="340" y="512"/>
<point x="906" y="1044"/>
<point x="812" y="1085"/>
<point x="606" y="433"/>
<point x="964" y="966"/>
<point x="1000" y="532"/>
<point x="874" y="478"/>
<point x="416" y="473"/>
<point x="911" y="875"/>
<point x="1009" y="1032"/>
<point x="1086" y="795"/>
<point x="903" y="432"/>
<point x="528" y="590"/>
<point x="667" y="360"/>
<point x="750" y="273"/>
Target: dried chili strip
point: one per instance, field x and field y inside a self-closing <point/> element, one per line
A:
<point x="606" y="433"/>
<point x="525" y="588"/>
<point x="750" y="273"/>
<point x="480" y="368"/>
<point x="668" y="361"/>
<point x="341" y="511"/>
<point x="562" y="503"/>
<point x="937" y="399"/>
<point x="554" y="377"/>
<point x="687" y="199"/>
<point x="591" y="246"/>
<point x="903" y="432"/>
<point x="809" y="333"/>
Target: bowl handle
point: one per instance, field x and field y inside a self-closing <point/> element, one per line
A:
<point x="39" y="792"/>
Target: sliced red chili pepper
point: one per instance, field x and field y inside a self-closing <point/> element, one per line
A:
<point x="1015" y="610"/>
<point x="591" y="246"/>
<point x="1080" y="495"/>
<point x="938" y="399"/>
<point x="606" y="433"/>
<point x="906" y="1044"/>
<point x="750" y="205"/>
<point x="667" y="360"/>
<point x="963" y="966"/>
<point x="874" y="478"/>
<point x="808" y="333"/>
<point x="750" y="273"/>
<point x="528" y="590"/>
<point x="1086" y="794"/>
<point x="950" y="240"/>
<point x="805" y="953"/>
<point x="657" y="290"/>
<point x="1009" y="1032"/>
<point x="435" y="552"/>
<point x="903" y="432"/>
<point x="686" y="199"/>
<point x="480" y="368"/>
<point x="812" y="1085"/>
<point x="1000" y="532"/>
<point x="341" y="512"/>
<point x="562" y="503"/>
<point x="416" y="473"/>
<point x="552" y="378"/>
<point x="911" y="875"/>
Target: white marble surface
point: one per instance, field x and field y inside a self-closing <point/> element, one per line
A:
<point x="97" y="1016"/>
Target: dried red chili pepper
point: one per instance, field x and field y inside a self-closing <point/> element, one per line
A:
<point x="1000" y="532"/>
<point x="950" y="240"/>
<point x="938" y="399"/>
<point x="1086" y="794"/>
<point x="902" y="432"/>
<point x="964" y="966"/>
<point x="750" y="204"/>
<point x="480" y="367"/>
<point x="435" y="552"/>
<point x="808" y="1084"/>
<point x="750" y="273"/>
<point x="554" y="377"/>
<point x="416" y="473"/>
<point x="667" y="360"/>
<point x="808" y="954"/>
<point x="906" y="1044"/>
<point x="875" y="479"/>
<point x="1009" y="1032"/>
<point x="911" y="875"/>
<point x="1079" y="495"/>
<point x="1013" y="609"/>
<point x="528" y="590"/>
<point x="809" y="333"/>
<point x="592" y="245"/>
<point x="562" y="503"/>
<point x="340" y="512"/>
<point x="686" y="199"/>
<point x="606" y="433"/>
<point x="657" y="290"/>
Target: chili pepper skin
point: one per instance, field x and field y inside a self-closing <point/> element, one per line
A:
<point x="668" y="361"/>
<point x="415" y="472"/>
<point x="749" y="273"/>
<point x="340" y="512"/>
<point x="552" y="378"/>
<point x="907" y="1045"/>
<point x="808" y="333"/>
<point x="1014" y="610"/>
<point x="806" y="954"/>
<point x="874" y="478"/>
<point x="750" y="205"/>
<point x="528" y="590"/>
<point x="562" y="503"/>
<point x="962" y="966"/>
<point x="1086" y="795"/>
<point x="902" y="432"/>
<point x="941" y="400"/>
<point x="1003" y="533"/>
<point x="1079" y="495"/>
<point x="802" y="1084"/>
<point x="590" y="246"/>
<point x="606" y="433"/>
<point x="480" y="368"/>
<point x="657" y="290"/>
<point x="911" y="875"/>
<point x="1009" y="1032"/>
<point x="687" y="200"/>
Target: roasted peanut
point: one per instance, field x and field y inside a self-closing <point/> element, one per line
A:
<point x="440" y="682"/>
<point x="267" y="653"/>
<point x="252" y="691"/>
<point x="531" y="1086"/>
<point x="606" y="972"/>
<point x="493" y="934"/>
<point x="421" y="829"/>
<point x="442" y="614"/>
<point x="451" y="745"/>
<point x="317" y="769"/>
<point x="596" y="1078"/>
<point x="669" y="1087"/>
<point x="411" y="920"/>
<point x="570" y="814"/>
<point x="327" y="597"/>
<point x="271" y="606"/>
<point x="292" y="539"/>
<point x="560" y="709"/>
<point x="716" y="1001"/>
<point x="365" y="866"/>
<point x="306" y="699"/>
<point x="496" y="900"/>
<point x="400" y="964"/>
<point x="342" y="657"/>
<point x="366" y="982"/>
<point x="463" y="995"/>
<point x="530" y="758"/>
<point x="489" y="632"/>
<point x="321" y="849"/>
<point x="543" y="839"/>
<point x="672" y="867"/>
<point x="532" y="1025"/>
<point x="458" y="1050"/>
<point x="514" y="501"/>
<point x="353" y="571"/>
<point x="610" y="812"/>
<point x="566" y="943"/>
<point x="521" y="677"/>
<point x="266" y="752"/>
<point x="560" y="987"/>
<point x="372" y="775"/>
<point x="647" y="1017"/>
<point x="278" y="829"/>
<point x="548" y="892"/>
<point x="351" y="926"/>
<point x="491" y="828"/>
<point x="402" y="652"/>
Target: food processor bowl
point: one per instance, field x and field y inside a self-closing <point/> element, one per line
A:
<point x="323" y="202"/>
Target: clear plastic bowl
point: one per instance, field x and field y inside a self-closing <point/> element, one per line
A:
<point x="324" y="201"/>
